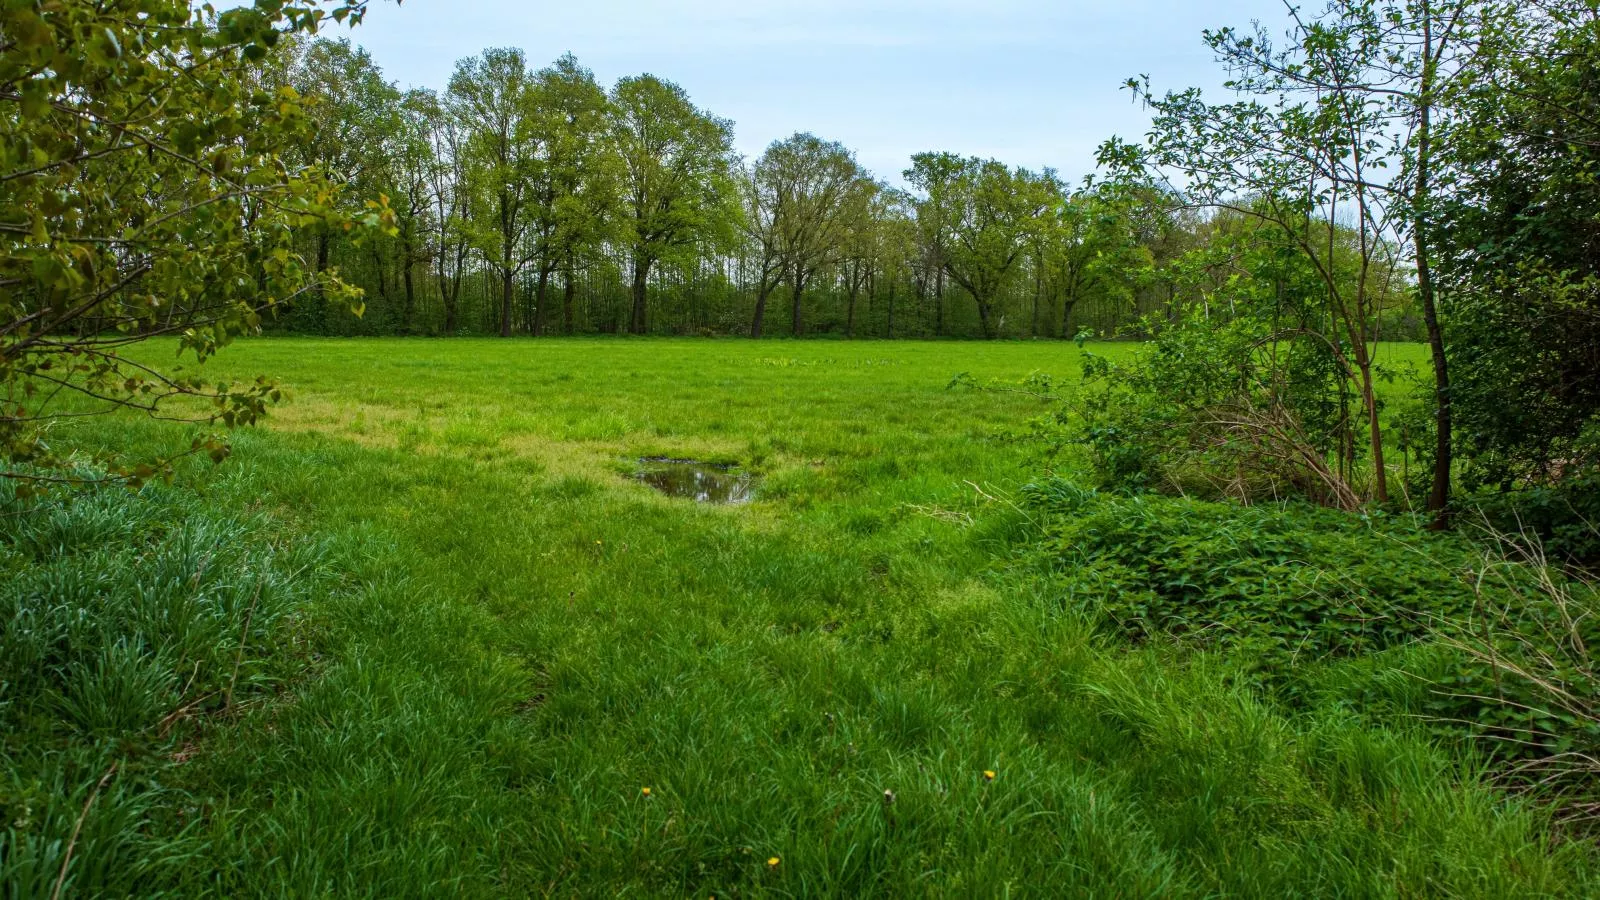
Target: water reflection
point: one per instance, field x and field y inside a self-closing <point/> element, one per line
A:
<point x="698" y="481"/>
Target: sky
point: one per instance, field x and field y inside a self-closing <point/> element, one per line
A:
<point x="1030" y="82"/>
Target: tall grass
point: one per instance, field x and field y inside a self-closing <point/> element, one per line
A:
<point x="846" y="688"/>
<point x="1528" y="683"/>
<point x="127" y="621"/>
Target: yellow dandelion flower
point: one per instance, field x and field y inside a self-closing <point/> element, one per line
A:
<point x="772" y="863"/>
<point x="988" y="774"/>
<point x="645" y="791"/>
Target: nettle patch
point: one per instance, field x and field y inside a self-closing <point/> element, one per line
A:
<point x="1288" y="583"/>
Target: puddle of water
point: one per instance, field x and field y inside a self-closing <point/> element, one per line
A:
<point x="698" y="481"/>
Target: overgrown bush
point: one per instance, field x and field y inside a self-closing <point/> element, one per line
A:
<point x="1226" y="408"/>
<point x="125" y="619"/>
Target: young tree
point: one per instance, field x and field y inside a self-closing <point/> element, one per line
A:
<point x="678" y="188"/>
<point x="1383" y="71"/>
<point x="147" y="186"/>
<point x="1306" y="152"/>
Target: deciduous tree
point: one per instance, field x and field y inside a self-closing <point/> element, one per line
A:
<point x="981" y="214"/>
<point x="505" y="151"/>
<point x="148" y="186"/>
<point x="678" y="188"/>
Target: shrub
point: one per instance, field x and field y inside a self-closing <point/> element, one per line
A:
<point x="1561" y="517"/>
<point x="1224" y="409"/>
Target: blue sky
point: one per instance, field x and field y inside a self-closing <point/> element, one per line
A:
<point x="1031" y="82"/>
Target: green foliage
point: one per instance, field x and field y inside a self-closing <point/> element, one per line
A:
<point x="1098" y="242"/>
<point x="977" y="217"/>
<point x="1281" y="586"/>
<point x="678" y="188"/>
<point x="1245" y="406"/>
<point x="1562" y="517"/>
<point x="1521" y="252"/>
<point x="144" y="188"/>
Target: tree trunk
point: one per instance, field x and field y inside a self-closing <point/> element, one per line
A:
<point x="922" y="301"/>
<point x="938" y="306"/>
<point x="322" y="266"/>
<point x="1066" y="318"/>
<point x="641" y="277"/>
<point x="508" y="284"/>
<point x="798" y="284"/>
<point x="540" y="295"/>
<point x="569" y="299"/>
<point x="1439" y="497"/>
<point x="411" y="290"/>
<point x="983" y="318"/>
<point x="383" y="280"/>
<point x="761" y="308"/>
<point x="1369" y="398"/>
<point x="891" y="308"/>
<point x="449" y="291"/>
<point x="508" y="288"/>
<point x="1038" y="289"/>
<point x="322" y="253"/>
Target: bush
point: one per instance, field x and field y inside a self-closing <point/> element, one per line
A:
<point x="1224" y="409"/>
<point x="1562" y="517"/>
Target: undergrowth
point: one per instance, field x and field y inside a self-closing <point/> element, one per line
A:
<point x="1481" y="641"/>
<point x="1283" y="583"/>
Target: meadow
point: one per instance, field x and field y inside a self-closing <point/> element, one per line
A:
<point x="497" y="664"/>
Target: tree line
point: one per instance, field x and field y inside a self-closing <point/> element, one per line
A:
<point x="536" y="201"/>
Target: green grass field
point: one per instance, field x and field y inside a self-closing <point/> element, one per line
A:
<point x="518" y="671"/>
